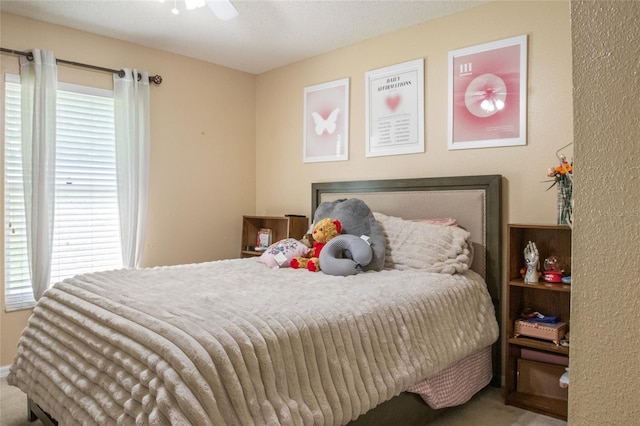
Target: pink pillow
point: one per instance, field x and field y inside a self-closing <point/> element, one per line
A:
<point x="280" y="254"/>
<point x="444" y="221"/>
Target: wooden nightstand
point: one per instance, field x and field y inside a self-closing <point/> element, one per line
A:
<point x="281" y="227"/>
<point x="547" y="298"/>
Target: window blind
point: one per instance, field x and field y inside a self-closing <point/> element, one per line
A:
<point x="86" y="224"/>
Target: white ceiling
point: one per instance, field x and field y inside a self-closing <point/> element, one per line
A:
<point x="267" y="34"/>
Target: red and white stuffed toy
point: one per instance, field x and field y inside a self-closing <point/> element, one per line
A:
<point x="323" y="232"/>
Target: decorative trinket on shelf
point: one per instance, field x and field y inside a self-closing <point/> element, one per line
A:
<point x="535" y="324"/>
<point x="264" y="239"/>
<point x="532" y="259"/>
<point x="553" y="332"/>
<point x="552" y="272"/>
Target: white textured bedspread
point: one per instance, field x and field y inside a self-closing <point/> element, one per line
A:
<point x="233" y="342"/>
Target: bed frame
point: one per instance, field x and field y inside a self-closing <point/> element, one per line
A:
<point x="474" y="201"/>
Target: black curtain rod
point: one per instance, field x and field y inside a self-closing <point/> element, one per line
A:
<point x="156" y="79"/>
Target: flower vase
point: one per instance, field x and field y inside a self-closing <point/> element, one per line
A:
<point x="565" y="197"/>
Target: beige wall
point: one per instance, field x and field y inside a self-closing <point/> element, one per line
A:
<point x="284" y="181"/>
<point x="202" y="171"/>
<point x="606" y="292"/>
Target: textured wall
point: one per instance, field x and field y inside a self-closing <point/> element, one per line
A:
<point x="605" y="371"/>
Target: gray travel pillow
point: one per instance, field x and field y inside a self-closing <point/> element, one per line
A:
<point x="356" y="219"/>
<point x="332" y="261"/>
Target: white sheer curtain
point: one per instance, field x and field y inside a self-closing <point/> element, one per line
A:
<point x="39" y="80"/>
<point x="131" y="100"/>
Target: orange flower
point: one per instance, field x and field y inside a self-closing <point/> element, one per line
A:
<point x="561" y="173"/>
<point x="564" y="168"/>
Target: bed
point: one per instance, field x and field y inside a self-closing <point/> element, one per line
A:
<point x="234" y="342"/>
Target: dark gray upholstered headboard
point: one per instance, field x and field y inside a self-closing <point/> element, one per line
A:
<point x="474" y="201"/>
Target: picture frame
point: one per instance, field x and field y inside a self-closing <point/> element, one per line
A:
<point x="263" y="240"/>
<point x="326" y="122"/>
<point x="394" y="116"/>
<point x="487" y="95"/>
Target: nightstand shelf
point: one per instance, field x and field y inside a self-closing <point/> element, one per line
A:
<point x="281" y="227"/>
<point x="542" y="285"/>
<point x="539" y="404"/>
<point x="528" y="342"/>
<point x="539" y="359"/>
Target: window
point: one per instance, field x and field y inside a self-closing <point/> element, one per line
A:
<point x="86" y="229"/>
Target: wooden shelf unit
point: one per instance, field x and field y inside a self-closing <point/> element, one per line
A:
<point x="547" y="298"/>
<point x="281" y="227"/>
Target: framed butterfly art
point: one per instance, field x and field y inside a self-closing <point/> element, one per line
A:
<point x="395" y="109"/>
<point x="326" y="122"/>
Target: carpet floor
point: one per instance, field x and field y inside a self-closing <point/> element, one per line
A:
<point x="485" y="409"/>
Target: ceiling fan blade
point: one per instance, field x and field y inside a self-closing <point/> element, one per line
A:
<point x="193" y="4"/>
<point x="223" y="9"/>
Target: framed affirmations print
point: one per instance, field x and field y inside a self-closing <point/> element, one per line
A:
<point x="395" y="109"/>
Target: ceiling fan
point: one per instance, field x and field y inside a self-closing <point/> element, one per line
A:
<point x="223" y="9"/>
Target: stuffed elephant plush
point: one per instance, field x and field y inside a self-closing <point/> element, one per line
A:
<point x="356" y="219"/>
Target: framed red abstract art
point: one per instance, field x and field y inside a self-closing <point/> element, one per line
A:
<point x="488" y="95"/>
<point x="326" y="122"/>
